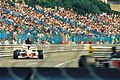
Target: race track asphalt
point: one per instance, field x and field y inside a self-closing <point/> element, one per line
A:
<point x="57" y="59"/>
<point x="54" y="66"/>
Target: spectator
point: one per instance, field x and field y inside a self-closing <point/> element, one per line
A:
<point x="18" y="19"/>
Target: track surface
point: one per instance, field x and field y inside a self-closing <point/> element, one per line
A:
<point x="59" y="59"/>
<point x="115" y="7"/>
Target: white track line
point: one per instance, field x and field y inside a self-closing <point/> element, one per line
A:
<point x="58" y="54"/>
<point x="31" y="63"/>
<point x="66" y="62"/>
<point x="59" y="64"/>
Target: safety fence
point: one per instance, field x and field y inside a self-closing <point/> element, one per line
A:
<point x="7" y="50"/>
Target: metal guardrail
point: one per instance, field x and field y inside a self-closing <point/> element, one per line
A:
<point x="103" y="51"/>
<point x="7" y="50"/>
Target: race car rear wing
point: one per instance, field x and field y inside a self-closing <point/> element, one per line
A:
<point x="32" y="46"/>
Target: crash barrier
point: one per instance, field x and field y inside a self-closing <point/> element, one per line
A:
<point x="7" y="50"/>
<point x="101" y="51"/>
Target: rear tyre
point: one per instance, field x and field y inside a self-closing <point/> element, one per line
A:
<point x="15" y="54"/>
<point x="40" y="54"/>
<point x="106" y="65"/>
<point x="86" y="61"/>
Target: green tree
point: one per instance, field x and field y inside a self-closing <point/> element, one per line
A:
<point x="79" y="6"/>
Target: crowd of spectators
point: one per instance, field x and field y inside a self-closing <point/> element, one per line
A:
<point x="19" y="21"/>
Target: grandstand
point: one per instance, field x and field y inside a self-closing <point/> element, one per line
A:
<point x="18" y="21"/>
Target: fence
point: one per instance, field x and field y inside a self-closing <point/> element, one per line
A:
<point x="7" y="50"/>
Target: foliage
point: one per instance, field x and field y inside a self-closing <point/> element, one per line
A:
<point x="79" y="6"/>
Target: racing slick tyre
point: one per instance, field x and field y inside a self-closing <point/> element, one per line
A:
<point x="40" y="54"/>
<point x="86" y="61"/>
<point x="106" y="65"/>
<point x="15" y="54"/>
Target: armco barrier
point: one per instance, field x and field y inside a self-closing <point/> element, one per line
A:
<point x="7" y="50"/>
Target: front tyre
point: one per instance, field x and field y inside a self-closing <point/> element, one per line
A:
<point x="86" y="61"/>
<point x="15" y="55"/>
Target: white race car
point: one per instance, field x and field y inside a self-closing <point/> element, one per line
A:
<point x="28" y="51"/>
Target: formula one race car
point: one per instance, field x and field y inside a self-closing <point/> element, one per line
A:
<point x="108" y="57"/>
<point x="89" y="61"/>
<point x="28" y="51"/>
<point x="113" y="61"/>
